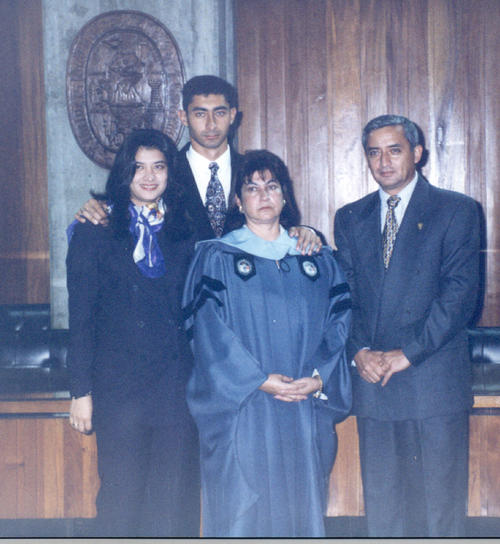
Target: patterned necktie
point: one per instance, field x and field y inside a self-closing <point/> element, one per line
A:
<point x="390" y="229"/>
<point x="216" y="201"/>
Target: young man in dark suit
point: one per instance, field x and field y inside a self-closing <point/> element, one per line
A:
<point x="210" y="112"/>
<point x="410" y="252"/>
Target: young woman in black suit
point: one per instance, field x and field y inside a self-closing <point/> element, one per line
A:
<point x="128" y="357"/>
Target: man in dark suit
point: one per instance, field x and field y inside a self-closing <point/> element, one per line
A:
<point x="411" y="255"/>
<point x="207" y="165"/>
<point x="209" y="111"/>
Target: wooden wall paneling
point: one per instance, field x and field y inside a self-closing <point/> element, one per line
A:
<point x="446" y="138"/>
<point x="274" y="84"/>
<point x="373" y="68"/>
<point x="47" y="469"/>
<point x="475" y="145"/>
<point x="249" y="78"/>
<point x="488" y="176"/>
<point x="81" y="482"/>
<point x="90" y="479"/>
<point x="51" y="444"/>
<point x="490" y="488"/>
<point x="476" y="454"/>
<point x="314" y="146"/>
<point x="474" y="66"/>
<point x="24" y="257"/>
<point x="346" y="489"/>
<point x="297" y="99"/>
<point x="28" y="488"/>
<point x="35" y="219"/>
<point x="345" y="117"/>
<point x="73" y="472"/>
<point x="10" y="91"/>
<point x="484" y="466"/>
<point x="8" y="469"/>
<point x="407" y="67"/>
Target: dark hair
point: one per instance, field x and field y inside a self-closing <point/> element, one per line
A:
<point x="122" y="173"/>
<point x="259" y="160"/>
<point x="409" y="127"/>
<point x="205" y="85"/>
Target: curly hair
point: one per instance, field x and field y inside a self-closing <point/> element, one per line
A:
<point x="258" y="160"/>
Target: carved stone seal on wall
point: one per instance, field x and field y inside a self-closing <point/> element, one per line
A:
<point x="124" y="71"/>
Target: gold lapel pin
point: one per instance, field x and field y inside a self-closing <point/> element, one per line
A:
<point x="420" y="226"/>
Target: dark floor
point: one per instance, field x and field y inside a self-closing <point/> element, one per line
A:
<point x="341" y="527"/>
<point x="347" y="527"/>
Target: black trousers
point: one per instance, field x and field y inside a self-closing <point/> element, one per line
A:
<point x="150" y="482"/>
<point x="415" y="475"/>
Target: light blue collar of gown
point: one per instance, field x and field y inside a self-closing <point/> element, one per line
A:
<point x="249" y="242"/>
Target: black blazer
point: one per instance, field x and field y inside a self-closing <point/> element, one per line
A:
<point x="421" y="304"/>
<point x="194" y="204"/>
<point x="126" y="331"/>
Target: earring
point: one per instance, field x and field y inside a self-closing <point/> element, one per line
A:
<point x="240" y="208"/>
<point x="284" y="202"/>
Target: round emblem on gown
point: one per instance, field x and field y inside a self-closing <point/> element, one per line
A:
<point x="310" y="269"/>
<point x="244" y="267"/>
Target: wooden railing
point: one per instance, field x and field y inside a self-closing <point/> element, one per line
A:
<point x="48" y="470"/>
<point x="346" y="489"/>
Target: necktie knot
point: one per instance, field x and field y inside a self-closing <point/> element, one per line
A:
<point x="393" y="201"/>
<point x="214" y="168"/>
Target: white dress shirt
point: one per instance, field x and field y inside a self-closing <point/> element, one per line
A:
<point x="400" y="209"/>
<point x="201" y="171"/>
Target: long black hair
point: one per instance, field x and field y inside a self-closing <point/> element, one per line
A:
<point x="259" y="160"/>
<point x="117" y="192"/>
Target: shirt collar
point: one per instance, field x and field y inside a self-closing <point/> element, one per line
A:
<point x="404" y="194"/>
<point x="249" y="242"/>
<point x="197" y="160"/>
<point x="400" y="210"/>
<point x="201" y="173"/>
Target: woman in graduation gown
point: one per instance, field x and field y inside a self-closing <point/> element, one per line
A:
<point x="128" y="357"/>
<point x="270" y="379"/>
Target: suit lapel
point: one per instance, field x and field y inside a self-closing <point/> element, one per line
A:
<point x="369" y="239"/>
<point x="194" y="203"/>
<point x="386" y="288"/>
<point x="409" y="240"/>
<point x="235" y="161"/>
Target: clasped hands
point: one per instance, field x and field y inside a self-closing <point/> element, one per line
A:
<point x="374" y="366"/>
<point x="289" y="390"/>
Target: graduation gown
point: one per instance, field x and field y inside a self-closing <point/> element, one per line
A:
<point x="265" y="463"/>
